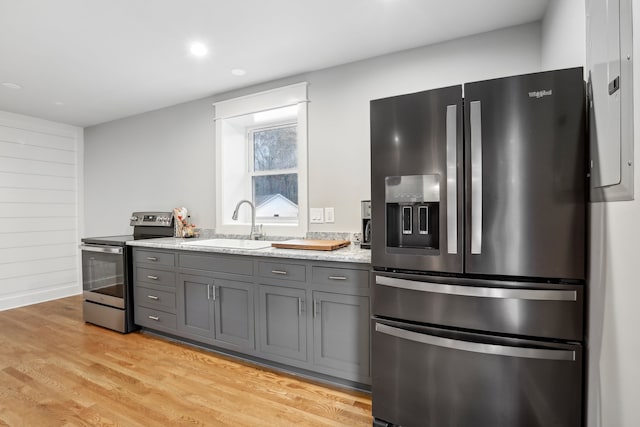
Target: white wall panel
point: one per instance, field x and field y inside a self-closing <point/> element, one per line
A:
<point x="23" y="180"/>
<point x="35" y="238"/>
<point x="40" y="205"/>
<point x="36" y="167"/>
<point x="17" y="150"/>
<point x="30" y="253"/>
<point x="35" y="196"/>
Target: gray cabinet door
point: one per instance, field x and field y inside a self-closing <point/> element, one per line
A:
<point x="234" y="308"/>
<point x="341" y="333"/>
<point x="283" y="322"/>
<point x="195" y="311"/>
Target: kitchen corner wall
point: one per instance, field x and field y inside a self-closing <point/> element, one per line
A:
<point x="165" y="158"/>
<point x="613" y="341"/>
<point x="614" y="314"/>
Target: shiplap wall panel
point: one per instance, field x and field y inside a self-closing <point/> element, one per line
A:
<point x="36" y="167"/>
<point x="31" y="210"/>
<point x="35" y="196"/>
<point x="20" y="134"/>
<point x="15" y="286"/>
<point x="34" y="152"/>
<point x="48" y="223"/>
<point x="47" y="182"/>
<point x="39" y="210"/>
<point x="33" y="239"/>
<point x="30" y="253"/>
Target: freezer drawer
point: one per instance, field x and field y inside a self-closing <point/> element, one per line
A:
<point x="520" y="308"/>
<point x="424" y="376"/>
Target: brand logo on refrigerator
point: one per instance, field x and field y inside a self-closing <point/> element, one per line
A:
<point x="540" y="93"/>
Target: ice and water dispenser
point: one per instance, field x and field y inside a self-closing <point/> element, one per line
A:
<point x="413" y="212"/>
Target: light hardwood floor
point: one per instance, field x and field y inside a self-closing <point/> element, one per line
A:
<point x="55" y="370"/>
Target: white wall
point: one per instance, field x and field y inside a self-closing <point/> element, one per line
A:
<point x="40" y="202"/>
<point x="614" y="371"/>
<point x="614" y="282"/>
<point x="155" y="161"/>
<point x="165" y="158"/>
<point x="564" y="34"/>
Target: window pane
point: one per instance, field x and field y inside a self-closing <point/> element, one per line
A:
<point x="276" y="196"/>
<point x="275" y="148"/>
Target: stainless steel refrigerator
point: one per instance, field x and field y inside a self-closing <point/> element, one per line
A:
<point x="479" y="253"/>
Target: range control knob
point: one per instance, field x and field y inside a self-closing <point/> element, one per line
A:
<point x="134" y="218"/>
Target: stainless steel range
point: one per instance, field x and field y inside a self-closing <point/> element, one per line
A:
<point x="107" y="276"/>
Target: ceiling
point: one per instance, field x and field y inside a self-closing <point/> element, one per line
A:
<point x="87" y="62"/>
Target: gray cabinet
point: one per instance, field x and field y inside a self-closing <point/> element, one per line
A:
<point x="195" y="310"/>
<point x="154" y="290"/>
<point x="309" y="315"/>
<point x="341" y="334"/>
<point x="283" y="322"/>
<point x="216" y="310"/>
<point x="233" y="313"/>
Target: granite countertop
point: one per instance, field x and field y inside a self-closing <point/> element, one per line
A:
<point x="351" y="253"/>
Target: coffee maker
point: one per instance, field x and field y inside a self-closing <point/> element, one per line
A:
<point x="365" y="208"/>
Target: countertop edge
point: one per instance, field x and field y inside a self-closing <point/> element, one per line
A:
<point x="350" y="254"/>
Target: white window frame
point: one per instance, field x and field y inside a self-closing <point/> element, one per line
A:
<point x="225" y="111"/>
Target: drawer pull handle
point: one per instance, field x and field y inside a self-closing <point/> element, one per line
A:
<point x="283" y="273"/>
<point x="156" y="318"/>
<point x="153" y="297"/>
<point x="337" y="278"/>
<point x="152" y="258"/>
<point x="152" y="277"/>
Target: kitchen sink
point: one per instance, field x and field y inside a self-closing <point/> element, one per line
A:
<point x="230" y="243"/>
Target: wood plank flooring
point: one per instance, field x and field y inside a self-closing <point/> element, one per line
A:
<point x="55" y="370"/>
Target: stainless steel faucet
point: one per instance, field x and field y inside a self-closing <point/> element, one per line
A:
<point x="256" y="232"/>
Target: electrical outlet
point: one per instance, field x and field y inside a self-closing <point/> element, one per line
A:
<point x="316" y="215"/>
<point x="329" y="216"/>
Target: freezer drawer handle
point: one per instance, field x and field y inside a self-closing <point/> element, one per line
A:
<point x="476" y="177"/>
<point x="498" y="350"/>
<point x="481" y="292"/>
<point x="452" y="180"/>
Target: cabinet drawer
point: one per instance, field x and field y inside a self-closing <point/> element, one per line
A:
<point x="155" y="277"/>
<point x="153" y="257"/>
<point x="343" y="277"/>
<point x="276" y="270"/>
<point x="217" y="263"/>
<point x="155" y="318"/>
<point x="157" y="299"/>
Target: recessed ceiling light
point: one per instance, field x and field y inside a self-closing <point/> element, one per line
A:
<point x="198" y="49"/>
<point x="59" y="103"/>
<point x="238" y="72"/>
<point x="11" y="85"/>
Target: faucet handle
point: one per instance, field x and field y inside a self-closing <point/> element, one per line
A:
<point x="257" y="232"/>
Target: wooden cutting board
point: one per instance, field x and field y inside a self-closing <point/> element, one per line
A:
<point x="315" y="245"/>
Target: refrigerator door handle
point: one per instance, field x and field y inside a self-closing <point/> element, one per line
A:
<point x="452" y="180"/>
<point x="484" y="348"/>
<point x="476" y="177"/>
<point x="478" y="291"/>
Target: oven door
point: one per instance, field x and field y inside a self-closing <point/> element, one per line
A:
<point x="427" y="376"/>
<point x="103" y="274"/>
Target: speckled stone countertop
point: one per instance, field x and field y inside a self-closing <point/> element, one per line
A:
<point x="351" y="253"/>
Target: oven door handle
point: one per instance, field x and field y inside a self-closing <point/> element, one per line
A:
<point x="116" y="250"/>
<point x="484" y="348"/>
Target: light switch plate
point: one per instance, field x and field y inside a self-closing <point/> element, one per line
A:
<point x="316" y="215"/>
<point x="329" y="215"/>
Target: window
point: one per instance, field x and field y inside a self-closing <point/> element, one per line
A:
<point x="275" y="172"/>
<point x="261" y="157"/>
